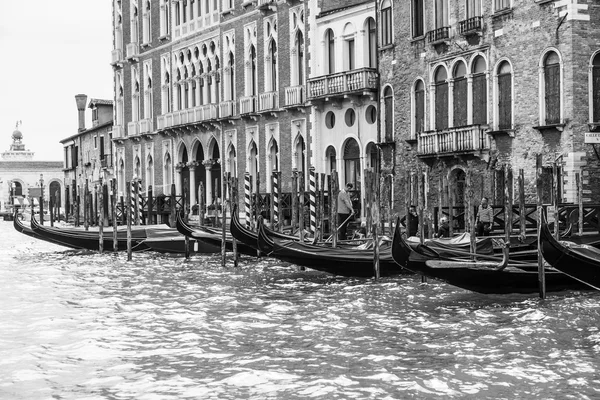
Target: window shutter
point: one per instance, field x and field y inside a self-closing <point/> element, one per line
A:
<point x="389" y="119"/>
<point x="596" y="93"/>
<point x="479" y="100"/>
<point x="419" y="111"/>
<point x="460" y="102"/>
<point x="552" y="89"/>
<point x="504" y="101"/>
<point x="441" y="106"/>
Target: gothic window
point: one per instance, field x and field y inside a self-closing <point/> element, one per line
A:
<point x="460" y="95"/>
<point x="386" y="23"/>
<point x="552" y="93"/>
<point x="231" y="78"/>
<point x="299" y="65"/>
<point x="479" y="89"/>
<point x="504" y="79"/>
<point x="253" y="72"/>
<point x="441" y="99"/>
<point x="273" y="65"/>
<point x="418" y="26"/>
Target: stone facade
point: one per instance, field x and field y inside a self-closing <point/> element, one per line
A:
<point x="469" y="56"/>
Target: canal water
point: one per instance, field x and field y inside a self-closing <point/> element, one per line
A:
<point x="79" y="325"/>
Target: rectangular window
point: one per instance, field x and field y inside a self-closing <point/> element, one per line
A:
<point x="479" y="100"/>
<point x="389" y="119"/>
<point x="441" y="13"/>
<point x="351" y="63"/>
<point x="500" y="5"/>
<point x="74" y="156"/>
<point x="473" y="8"/>
<point x="386" y="26"/>
<point x="596" y="94"/>
<point x="417" y="18"/>
<point x="505" y="101"/>
<point x="101" y="147"/>
<point x="552" y="93"/>
<point x="95" y="142"/>
<point x="441" y="106"/>
<point x="460" y="102"/>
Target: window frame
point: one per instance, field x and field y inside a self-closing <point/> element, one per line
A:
<point x="543" y="112"/>
<point x="413" y="130"/>
<point x="417" y="5"/>
<point x="388" y="113"/>
<point x="594" y="103"/>
<point x="497" y="95"/>
<point x="387" y="23"/>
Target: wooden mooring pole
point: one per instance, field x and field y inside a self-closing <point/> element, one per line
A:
<point x="540" y="212"/>
<point x="579" y="184"/>
<point x="101" y="219"/>
<point x="334" y="208"/>
<point x="128" y="216"/>
<point x="115" y="224"/>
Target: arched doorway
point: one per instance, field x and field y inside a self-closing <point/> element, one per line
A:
<point x="54" y="195"/>
<point x="352" y="167"/>
<point x="216" y="173"/>
<point x="200" y="172"/>
<point x="457" y="188"/>
<point x="184" y="174"/>
<point x="330" y="159"/>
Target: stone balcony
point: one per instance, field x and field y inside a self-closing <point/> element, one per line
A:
<point x="116" y="57"/>
<point x="133" y="51"/>
<point x="248" y="105"/>
<point x="227" y="109"/>
<point x="467" y="140"/>
<point x="295" y="96"/>
<point x="268" y="101"/>
<point x="364" y="81"/>
<point x="192" y="116"/>
<point x="118" y="132"/>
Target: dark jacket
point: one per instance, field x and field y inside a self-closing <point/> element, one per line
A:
<point x="414" y="224"/>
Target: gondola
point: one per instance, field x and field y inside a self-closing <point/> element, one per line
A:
<point x="483" y="277"/>
<point x="77" y="238"/>
<point x="20" y="226"/>
<point x="578" y="261"/>
<point x="212" y="237"/>
<point x="350" y="261"/>
<point x="173" y="242"/>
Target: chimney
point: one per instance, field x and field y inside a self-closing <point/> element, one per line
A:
<point x="81" y="99"/>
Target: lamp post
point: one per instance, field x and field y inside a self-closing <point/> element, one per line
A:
<point x="42" y="199"/>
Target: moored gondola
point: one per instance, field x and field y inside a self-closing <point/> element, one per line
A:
<point x="212" y="237"/>
<point x="77" y="238"/>
<point x="350" y="261"/>
<point x="579" y="261"/>
<point x="482" y="277"/>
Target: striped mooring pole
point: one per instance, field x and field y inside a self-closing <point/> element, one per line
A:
<point x="313" y="200"/>
<point x="275" y="194"/>
<point x="247" y="192"/>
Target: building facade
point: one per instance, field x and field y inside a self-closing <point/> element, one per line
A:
<point x="88" y="154"/>
<point x="22" y="177"/>
<point x="471" y="87"/>
<point x="204" y="88"/>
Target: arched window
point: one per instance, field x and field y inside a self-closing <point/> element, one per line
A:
<point x="352" y="168"/>
<point x="149" y="173"/>
<point x="552" y="92"/>
<point x="299" y="65"/>
<point x="595" y="98"/>
<point x="331" y="159"/>
<point x="231" y="78"/>
<point x="441" y="99"/>
<point x="330" y="46"/>
<point x="208" y="82"/>
<point x="386" y="23"/>
<point x="504" y="78"/>
<point x="479" y="90"/>
<point x="388" y="107"/>
<point x="441" y="14"/>
<point x="459" y="94"/>
<point x="419" y="115"/>
<point x="253" y="72"/>
<point x="273" y="65"/>
<point x="349" y="47"/>
<point x="371" y="43"/>
<point x="232" y="159"/>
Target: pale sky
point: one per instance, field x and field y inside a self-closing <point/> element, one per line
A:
<point x="51" y="51"/>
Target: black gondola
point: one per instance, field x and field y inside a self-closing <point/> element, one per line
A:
<point x="482" y="277"/>
<point x="350" y="261"/>
<point x="212" y="237"/>
<point x="77" y="238"/>
<point x="579" y="261"/>
<point x="248" y="236"/>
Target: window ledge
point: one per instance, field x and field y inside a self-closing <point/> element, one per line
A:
<point x="540" y="2"/>
<point x="504" y="11"/>
<point x="387" y="47"/>
<point x="163" y="37"/>
<point x="411" y="141"/>
<point x="228" y="11"/>
<point x="418" y="39"/>
<point x="499" y="131"/>
<point x="594" y="126"/>
<point x="543" y="128"/>
<point x="145" y="45"/>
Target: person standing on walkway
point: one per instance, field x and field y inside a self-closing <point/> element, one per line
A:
<point x="344" y="209"/>
<point x="413" y="221"/>
<point x="485" y="218"/>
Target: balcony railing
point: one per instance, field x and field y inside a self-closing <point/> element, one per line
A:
<point x="227" y="108"/>
<point x="360" y="80"/>
<point x="146" y="126"/>
<point x="438" y="35"/>
<point x="268" y="101"/>
<point x="294" y="96"/>
<point x="453" y="140"/>
<point x="471" y="25"/>
<point x="266" y="4"/>
<point x="118" y="132"/>
<point x="247" y="104"/>
<point x="116" y="56"/>
<point x="133" y="128"/>
<point x="132" y="50"/>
